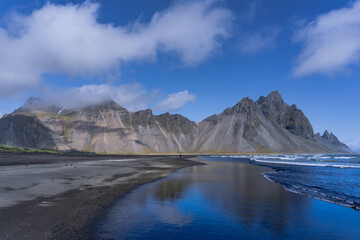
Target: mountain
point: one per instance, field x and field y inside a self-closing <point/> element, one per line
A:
<point x="289" y="117"/>
<point x="267" y="125"/>
<point x="332" y="142"/>
<point x="245" y="128"/>
<point x="25" y="131"/>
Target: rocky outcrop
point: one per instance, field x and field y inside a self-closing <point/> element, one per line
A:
<point x="267" y="125"/>
<point x="289" y="117"/>
<point x="25" y="131"/>
<point x="332" y="142"/>
<point x="110" y="128"/>
<point x="244" y="128"/>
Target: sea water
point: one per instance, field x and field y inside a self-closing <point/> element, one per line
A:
<point x="330" y="177"/>
<point x="232" y="198"/>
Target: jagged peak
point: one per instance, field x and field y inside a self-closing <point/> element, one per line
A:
<point x="329" y="135"/>
<point x="176" y="115"/>
<point x="326" y="133"/>
<point x="274" y="94"/>
<point x="146" y="112"/>
<point x="293" y="106"/>
<point x="245" y="105"/>
<point x="214" y="119"/>
<point x="245" y="102"/>
<point x="169" y="116"/>
<point x="272" y="97"/>
<point x="328" y="139"/>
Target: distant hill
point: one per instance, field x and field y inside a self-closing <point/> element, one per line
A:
<point x="267" y="125"/>
<point x="329" y="140"/>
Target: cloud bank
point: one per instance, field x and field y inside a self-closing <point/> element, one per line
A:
<point x="68" y="39"/>
<point x="330" y="43"/>
<point x="175" y="101"/>
<point x="132" y="96"/>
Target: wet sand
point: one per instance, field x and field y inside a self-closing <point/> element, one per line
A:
<point x="58" y="197"/>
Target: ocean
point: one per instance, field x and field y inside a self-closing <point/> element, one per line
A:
<point x="243" y="197"/>
<point x="333" y="178"/>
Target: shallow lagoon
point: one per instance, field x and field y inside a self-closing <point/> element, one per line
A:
<point x="226" y="199"/>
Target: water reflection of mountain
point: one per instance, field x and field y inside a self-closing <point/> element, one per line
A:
<point x="223" y="200"/>
<point x="243" y="192"/>
<point x="240" y="190"/>
<point x="172" y="189"/>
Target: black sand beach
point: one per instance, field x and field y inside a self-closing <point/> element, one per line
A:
<point x="80" y="197"/>
<point x="58" y="197"/>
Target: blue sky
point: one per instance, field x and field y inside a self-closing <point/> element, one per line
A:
<point x="190" y="57"/>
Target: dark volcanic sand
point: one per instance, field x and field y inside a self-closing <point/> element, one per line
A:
<point x="58" y="197"/>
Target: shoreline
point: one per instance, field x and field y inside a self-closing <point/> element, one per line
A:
<point x="70" y="214"/>
<point x="223" y="200"/>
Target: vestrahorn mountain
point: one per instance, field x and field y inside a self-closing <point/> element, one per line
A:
<point x="267" y="125"/>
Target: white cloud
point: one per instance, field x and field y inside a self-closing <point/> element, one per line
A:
<point x="1" y="114"/>
<point x="331" y="42"/>
<point x="256" y="41"/>
<point x="175" y="101"/>
<point x="131" y="96"/>
<point x="68" y="39"/>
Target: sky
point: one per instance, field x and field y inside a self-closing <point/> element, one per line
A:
<point x="195" y="58"/>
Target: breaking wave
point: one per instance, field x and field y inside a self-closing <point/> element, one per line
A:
<point x="333" y="178"/>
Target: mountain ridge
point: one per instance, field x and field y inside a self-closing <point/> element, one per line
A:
<point x="265" y="125"/>
<point x="331" y="141"/>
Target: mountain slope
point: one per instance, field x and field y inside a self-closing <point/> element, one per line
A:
<point x="267" y="125"/>
<point x="110" y="128"/>
<point x="332" y="142"/>
<point x="289" y="117"/>
<point x="243" y="128"/>
<point x="25" y="131"/>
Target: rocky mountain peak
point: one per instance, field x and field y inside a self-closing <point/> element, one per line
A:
<point x="272" y="106"/>
<point x="176" y="123"/>
<point x="246" y="105"/>
<point x="213" y="119"/>
<point x="291" y="118"/>
<point x="143" y="118"/>
<point x="275" y="96"/>
<point x="268" y="124"/>
<point x="332" y="142"/>
<point x="326" y="134"/>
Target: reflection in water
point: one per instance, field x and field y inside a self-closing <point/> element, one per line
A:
<point x="222" y="200"/>
<point x="171" y="189"/>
